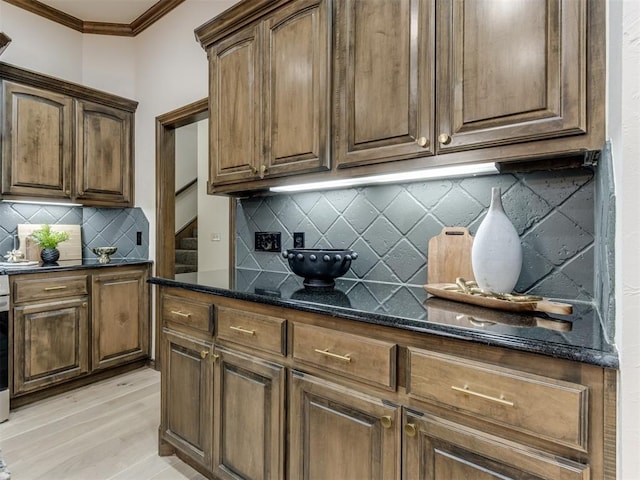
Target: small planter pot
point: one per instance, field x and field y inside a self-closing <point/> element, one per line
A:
<point x="49" y="256"/>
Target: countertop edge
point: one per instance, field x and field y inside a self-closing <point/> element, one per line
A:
<point x="62" y="268"/>
<point x="578" y="354"/>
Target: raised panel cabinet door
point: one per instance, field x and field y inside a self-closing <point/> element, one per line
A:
<point x="187" y="396"/>
<point x="50" y="343"/>
<point x="297" y="88"/>
<point x="436" y="449"/>
<point x="37" y="142"/>
<point x="104" y="155"/>
<point x="249" y="418"/>
<point x="120" y="318"/>
<point x="335" y="432"/>
<point x="511" y="71"/>
<point x="384" y="80"/>
<point x="235" y="81"/>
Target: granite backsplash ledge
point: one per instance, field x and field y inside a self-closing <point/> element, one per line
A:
<point x="100" y="226"/>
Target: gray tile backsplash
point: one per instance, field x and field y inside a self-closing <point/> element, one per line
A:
<point x="390" y="226"/>
<point x="100" y="226"/>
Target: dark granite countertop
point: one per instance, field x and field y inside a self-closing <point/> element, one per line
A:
<point x="70" y="265"/>
<point x="577" y="337"/>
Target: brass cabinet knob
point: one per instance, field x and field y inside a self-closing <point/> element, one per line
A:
<point x="263" y="170"/>
<point x="386" y="421"/>
<point x="444" y="139"/>
<point x="423" y="142"/>
<point x="410" y="429"/>
<point x="214" y="357"/>
<point x="204" y="353"/>
<point x="254" y="170"/>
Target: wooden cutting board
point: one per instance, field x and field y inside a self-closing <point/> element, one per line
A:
<point x="69" y="250"/>
<point x="442" y="290"/>
<point x="449" y="256"/>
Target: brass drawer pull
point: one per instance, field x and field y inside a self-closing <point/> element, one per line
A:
<point x="243" y="330"/>
<point x="326" y="352"/>
<point x="500" y="399"/>
<point x="59" y="287"/>
<point x="181" y="314"/>
<point x="203" y="354"/>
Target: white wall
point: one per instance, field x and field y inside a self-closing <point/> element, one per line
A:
<point x="624" y="131"/>
<point x="171" y="71"/>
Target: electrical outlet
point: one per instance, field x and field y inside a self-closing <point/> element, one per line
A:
<point x="138" y="238"/>
<point x="298" y="239"/>
<point x="268" y="242"/>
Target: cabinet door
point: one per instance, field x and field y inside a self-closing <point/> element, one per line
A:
<point x="235" y="124"/>
<point x="340" y="433"/>
<point x="435" y="449"/>
<point x="510" y="71"/>
<point x="249" y="417"/>
<point x="37" y="136"/>
<point x="120" y="319"/>
<point x="296" y="88"/>
<point x="104" y="155"/>
<point x="384" y="80"/>
<point x="187" y="396"/>
<point x="50" y="343"/>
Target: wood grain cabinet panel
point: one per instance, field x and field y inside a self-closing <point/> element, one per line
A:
<point x="50" y="288"/>
<point x="254" y="330"/>
<point x="384" y="60"/>
<point x="120" y="318"/>
<point x="505" y="396"/>
<point x="510" y="72"/>
<point x="178" y="311"/>
<point x="355" y="356"/>
<point x="50" y="343"/>
<point x="65" y="141"/>
<point x="249" y="413"/>
<point x="269" y="96"/>
<point x="104" y="153"/>
<point x="435" y="449"/>
<point x="339" y="433"/>
<point x="37" y="146"/>
<point x="187" y="397"/>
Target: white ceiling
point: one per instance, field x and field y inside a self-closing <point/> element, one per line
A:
<point x="109" y="11"/>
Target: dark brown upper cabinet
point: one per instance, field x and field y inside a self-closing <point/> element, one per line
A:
<point x="471" y="79"/>
<point x="269" y="94"/>
<point x="62" y="141"/>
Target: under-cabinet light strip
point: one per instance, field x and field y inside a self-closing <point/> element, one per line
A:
<point x="40" y="202"/>
<point x="412" y="176"/>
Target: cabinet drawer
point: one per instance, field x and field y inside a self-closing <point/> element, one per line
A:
<point x="540" y="406"/>
<point x="187" y="312"/>
<point x="358" y="357"/>
<point x="28" y="290"/>
<point x="252" y="329"/>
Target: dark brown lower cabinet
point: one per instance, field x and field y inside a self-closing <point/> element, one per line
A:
<point x="437" y="449"/>
<point x="51" y="343"/>
<point x="187" y="395"/>
<point x="336" y="432"/>
<point x="249" y="417"/>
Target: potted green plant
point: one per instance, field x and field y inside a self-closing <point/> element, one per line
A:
<point x="48" y="240"/>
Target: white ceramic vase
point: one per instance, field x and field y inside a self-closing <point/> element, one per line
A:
<point x="496" y="255"/>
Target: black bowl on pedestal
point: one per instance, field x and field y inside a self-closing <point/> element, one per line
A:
<point x="319" y="266"/>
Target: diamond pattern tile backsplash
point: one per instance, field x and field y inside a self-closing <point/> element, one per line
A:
<point x="390" y="226"/>
<point x="100" y="226"/>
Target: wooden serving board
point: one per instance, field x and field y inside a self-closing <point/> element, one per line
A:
<point x="548" y="306"/>
<point x="69" y="250"/>
<point x="449" y="256"/>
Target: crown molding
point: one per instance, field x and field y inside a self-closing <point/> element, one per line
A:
<point x="148" y="18"/>
<point x="4" y="41"/>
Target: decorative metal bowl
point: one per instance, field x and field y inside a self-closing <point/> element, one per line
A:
<point x="319" y="266"/>
<point x="104" y="253"/>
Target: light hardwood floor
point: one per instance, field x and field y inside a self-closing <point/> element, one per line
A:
<point x="104" y="431"/>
